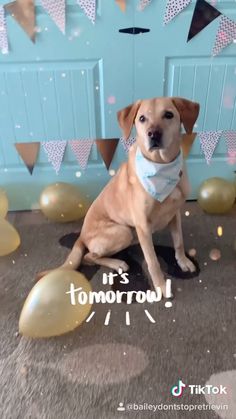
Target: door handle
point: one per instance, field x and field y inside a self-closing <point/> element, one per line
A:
<point x="134" y="30"/>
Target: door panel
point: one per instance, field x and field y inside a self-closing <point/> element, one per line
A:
<point x="58" y="89"/>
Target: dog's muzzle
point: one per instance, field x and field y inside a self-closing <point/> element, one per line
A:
<point x="155" y="140"/>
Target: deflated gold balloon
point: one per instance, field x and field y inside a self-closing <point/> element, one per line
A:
<point x="63" y="202"/>
<point x="3" y="203"/>
<point x="9" y="238"/>
<point x="216" y="196"/>
<point x="49" y="310"/>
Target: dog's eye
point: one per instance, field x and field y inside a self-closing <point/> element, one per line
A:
<point x="168" y="115"/>
<point x="142" y="118"/>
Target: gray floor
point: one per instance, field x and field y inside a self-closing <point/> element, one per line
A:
<point x="87" y="373"/>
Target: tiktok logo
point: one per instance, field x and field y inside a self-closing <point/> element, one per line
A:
<point x="177" y="391"/>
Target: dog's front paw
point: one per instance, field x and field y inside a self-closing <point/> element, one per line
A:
<point x="121" y="265"/>
<point x="186" y="264"/>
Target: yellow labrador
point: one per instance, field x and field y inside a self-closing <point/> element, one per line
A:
<point x="146" y="193"/>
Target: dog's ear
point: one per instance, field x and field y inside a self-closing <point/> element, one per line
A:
<point x="188" y="111"/>
<point x="126" y="118"/>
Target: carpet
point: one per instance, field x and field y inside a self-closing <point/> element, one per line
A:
<point x="120" y="371"/>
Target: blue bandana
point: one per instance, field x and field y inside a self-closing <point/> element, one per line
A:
<point x="158" y="179"/>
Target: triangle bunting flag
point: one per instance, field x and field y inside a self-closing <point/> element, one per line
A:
<point x="107" y="149"/>
<point x="28" y="153"/>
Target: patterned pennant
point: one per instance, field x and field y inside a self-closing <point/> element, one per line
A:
<point x="173" y="8"/>
<point x="204" y="13"/>
<point x="143" y="4"/>
<point x="127" y="143"/>
<point x="28" y="153"/>
<point x="232" y="157"/>
<point x="209" y="141"/>
<point x="3" y="32"/>
<point x="121" y="4"/>
<point x="81" y="150"/>
<point x="226" y="34"/>
<point x="230" y="137"/>
<point x="23" y="12"/>
<point x="89" y="8"/>
<point x="57" y="11"/>
<point x="187" y="142"/>
<point x="55" y="151"/>
<point x="107" y="149"/>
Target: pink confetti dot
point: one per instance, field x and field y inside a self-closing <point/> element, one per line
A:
<point x="111" y="100"/>
<point x="215" y="254"/>
<point x="192" y="252"/>
<point x="232" y="157"/>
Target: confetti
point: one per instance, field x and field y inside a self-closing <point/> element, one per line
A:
<point x="192" y="252"/>
<point x="215" y="254"/>
<point x="111" y="100"/>
<point x="220" y="231"/>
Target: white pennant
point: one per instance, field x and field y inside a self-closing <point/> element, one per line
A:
<point x="89" y="8"/>
<point x="3" y="32"/>
<point x="143" y="4"/>
<point x="230" y="137"/>
<point x="209" y="141"/>
<point x="55" y="151"/>
<point x="81" y="150"/>
<point x="57" y="11"/>
<point x="226" y="34"/>
<point x="127" y="143"/>
<point x="173" y="8"/>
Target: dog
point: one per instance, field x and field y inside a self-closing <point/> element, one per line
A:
<point x="145" y="195"/>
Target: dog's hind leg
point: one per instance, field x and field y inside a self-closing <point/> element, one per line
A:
<point x="111" y="240"/>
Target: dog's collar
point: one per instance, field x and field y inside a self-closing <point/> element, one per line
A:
<point x="158" y="179"/>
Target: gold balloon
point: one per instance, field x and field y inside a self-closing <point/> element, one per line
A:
<point x="48" y="309"/>
<point x="216" y="195"/>
<point x="9" y="238"/>
<point x="63" y="202"/>
<point x="3" y="203"/>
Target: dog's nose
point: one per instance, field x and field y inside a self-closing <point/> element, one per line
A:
<point x="155" y="135"/>
<point x="155" y="139"/>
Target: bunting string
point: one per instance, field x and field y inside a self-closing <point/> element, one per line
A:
<point x="204" y="13"/>
<point x="55" y="150"/>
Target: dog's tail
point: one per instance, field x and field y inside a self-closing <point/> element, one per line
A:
<point x="75" y="257"/>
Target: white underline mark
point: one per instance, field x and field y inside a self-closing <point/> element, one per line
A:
<point x="127" y="318"/>
<point x="149" y="316"/>
<point x="90" y="317"/>
<point x="107" y="319"/>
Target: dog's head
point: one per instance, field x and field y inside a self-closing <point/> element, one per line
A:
<point x="158" y="122"/>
